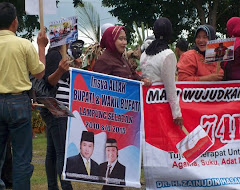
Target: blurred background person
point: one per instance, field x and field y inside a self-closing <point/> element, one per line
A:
<point x="147" y="42"/>
<point x="232" y="68"/>
<point x="181" y="47"/>
<point x="191" y="65"/>
<point x="105" y="26"/>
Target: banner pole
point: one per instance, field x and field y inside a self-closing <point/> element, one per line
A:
<point x="41" y="16"/>
<point x="218" y="66"/>
<point x="64" y="51"/>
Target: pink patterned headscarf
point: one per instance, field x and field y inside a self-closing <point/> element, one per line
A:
<point x="110" y="36"/>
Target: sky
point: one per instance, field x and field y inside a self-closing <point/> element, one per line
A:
<point x="66" y="9"/>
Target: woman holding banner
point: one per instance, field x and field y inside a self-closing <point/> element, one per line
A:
<point x="56" y="74"/>
<point x="112" y="62"/>
<point x="158" y="63"/>
<point x="191" y="65"/>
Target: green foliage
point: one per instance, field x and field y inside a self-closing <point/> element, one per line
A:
<point x="88" y="21"/>
<point x="184" y="15"/>
<point x="37" y="121"/>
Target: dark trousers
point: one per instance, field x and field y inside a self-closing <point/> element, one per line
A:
<point x="7" y="166"/>
<point x="15" y="121"/>
<point x="56" y="136"/>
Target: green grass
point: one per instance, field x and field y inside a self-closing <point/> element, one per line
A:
<point x="39" y="178"/>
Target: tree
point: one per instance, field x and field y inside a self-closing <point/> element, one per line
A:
<point x="28" y="23"/>
<point x="184" y="15"/>
<point x="88" y="21"/>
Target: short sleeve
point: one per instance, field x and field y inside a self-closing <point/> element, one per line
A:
<point x="35" y="66"/>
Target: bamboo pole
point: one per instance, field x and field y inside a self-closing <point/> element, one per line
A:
<point x="41" y="16"/>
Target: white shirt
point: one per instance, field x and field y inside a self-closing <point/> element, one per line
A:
<point x="85" y="162"/>
<point x="161" y="68"/>
<point x="112" y="166"/>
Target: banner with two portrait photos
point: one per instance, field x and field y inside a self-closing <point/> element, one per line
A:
<point x="215" y="106"/>
<point x="107" y="123"/>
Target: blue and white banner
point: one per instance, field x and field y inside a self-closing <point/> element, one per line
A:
<point x="108" y="119"/>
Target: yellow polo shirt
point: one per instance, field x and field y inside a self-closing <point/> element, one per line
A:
<point x="18" y="57"/>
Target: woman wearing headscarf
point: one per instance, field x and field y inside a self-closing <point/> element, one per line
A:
<point x="158" y="63"/>
<point x="191" y="65"/>
<point x="232" y="68"/>
<point x="112" y="61"/>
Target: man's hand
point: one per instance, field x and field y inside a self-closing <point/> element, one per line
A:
<point x="42" y="39"/>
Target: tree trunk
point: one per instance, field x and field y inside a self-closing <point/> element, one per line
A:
<point x="213" y="14"/>
<point x="200" y="11"/>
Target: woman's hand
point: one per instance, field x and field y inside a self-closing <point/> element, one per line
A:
<point x="178" y="121"/>
<point x="147" y="82"/>
<point x="78" y="62"/>
<point x="212" y="77"/>
<point x="63" y="65"/>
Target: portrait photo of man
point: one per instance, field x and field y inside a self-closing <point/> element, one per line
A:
<point x="112" y="171"/>
<point x="82" y="163"/>
<point x="220" y="51"/>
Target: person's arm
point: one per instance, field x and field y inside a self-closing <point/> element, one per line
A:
<point x="187" y="68"/>
<point x="62" y="68"/>
<point x="42" y="42"/>
<point x="212" y="77"/>
<point x="168" y="77"/>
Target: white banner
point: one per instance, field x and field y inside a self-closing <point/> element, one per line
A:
<point x="32" y="7"/>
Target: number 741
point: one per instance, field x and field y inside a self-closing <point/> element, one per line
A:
<point x="227" y="128"/>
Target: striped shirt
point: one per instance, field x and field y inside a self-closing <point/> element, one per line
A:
<point x="63" y="92"/>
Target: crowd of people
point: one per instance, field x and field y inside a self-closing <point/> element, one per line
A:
<point x="158" y="64"/>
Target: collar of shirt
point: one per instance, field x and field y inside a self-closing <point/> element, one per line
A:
<point x="112" y="165"/>
<point x="85" y="161"/>
<point x="6" y="32"/>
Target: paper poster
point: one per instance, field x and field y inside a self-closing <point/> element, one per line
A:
<point x="63" y="31"/>
<point x="105" y="132"/>
<point x="32" y="7"/>
<point x="220" y="50"/>
<point x="55" y="107"/>
<point x="212" y="105"/>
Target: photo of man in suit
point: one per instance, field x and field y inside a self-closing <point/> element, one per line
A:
<point x="82" y="163"/>
<point x="112" y="172"/>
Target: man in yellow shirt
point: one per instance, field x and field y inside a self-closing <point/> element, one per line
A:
<point x="18" y="57"/>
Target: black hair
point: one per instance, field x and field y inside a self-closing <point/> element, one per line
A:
<point x="182" y="44"/>
<point x="7" y="14"/>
